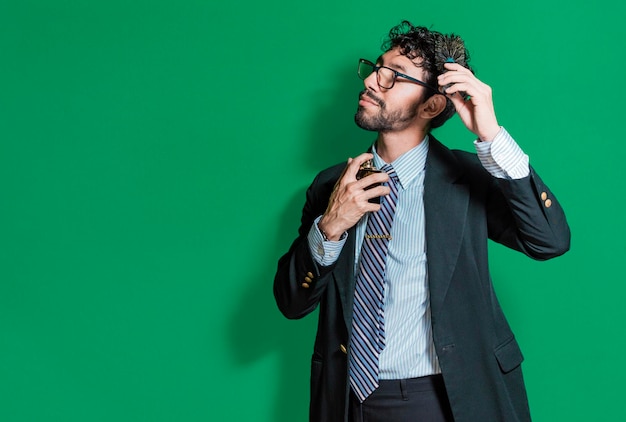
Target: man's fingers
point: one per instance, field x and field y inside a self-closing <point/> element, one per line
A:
<point x="354" y="164"/>
<point x="457" y="68"/>
<point x="458" y="101"/>
<point x="460" y="76"/>
<point x="372" y="179"/>
<point x="376" y="192"/>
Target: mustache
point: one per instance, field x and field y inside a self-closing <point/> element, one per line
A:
<point x="373" y="97"/>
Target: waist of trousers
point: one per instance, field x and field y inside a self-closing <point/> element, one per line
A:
<point x="400" y="386"/>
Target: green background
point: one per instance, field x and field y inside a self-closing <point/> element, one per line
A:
<point x="153" y="162"/>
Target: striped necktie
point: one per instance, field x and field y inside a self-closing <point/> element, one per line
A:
<point x="368" y="320"/>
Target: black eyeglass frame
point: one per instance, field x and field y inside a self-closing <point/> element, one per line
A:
<point x="376" y="68"/>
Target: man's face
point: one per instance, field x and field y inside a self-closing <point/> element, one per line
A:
<point x="395" y="109"/>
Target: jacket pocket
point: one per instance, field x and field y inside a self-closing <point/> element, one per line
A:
<point x="509" y="355"/>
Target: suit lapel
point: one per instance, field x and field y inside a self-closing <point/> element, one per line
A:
<point x="345" y="278"/>
<point x="445" y="208"/>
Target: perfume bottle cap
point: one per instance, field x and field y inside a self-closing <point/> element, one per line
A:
<point x="369" y="164"/>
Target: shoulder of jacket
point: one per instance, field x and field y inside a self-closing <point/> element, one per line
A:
<point x="330" y="174"/>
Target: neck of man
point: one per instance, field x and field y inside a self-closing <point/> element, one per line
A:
<point x="391" y="145"/>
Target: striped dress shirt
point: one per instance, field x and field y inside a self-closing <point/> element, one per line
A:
<point x="409" y="350"/>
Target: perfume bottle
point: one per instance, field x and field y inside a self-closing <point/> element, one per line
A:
<point x="366" y="169"/>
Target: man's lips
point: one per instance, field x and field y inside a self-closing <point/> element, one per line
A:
<point x="365" y="100"/>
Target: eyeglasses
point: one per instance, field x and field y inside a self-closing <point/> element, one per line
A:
<point x="386" y="76"/>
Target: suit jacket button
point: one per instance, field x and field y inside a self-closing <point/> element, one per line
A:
<point x="343" y="349"/>
<point x="305" y="285"/>
<point x="548" y="203"/>
<point x="309" y="274"/>
<point x="544" y="196"/>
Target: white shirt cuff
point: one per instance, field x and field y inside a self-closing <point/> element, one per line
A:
<point x="325" y="252"/>
<point x="502" y="157"/>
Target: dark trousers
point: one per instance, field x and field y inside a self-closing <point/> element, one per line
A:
<point x="421" y="399"/>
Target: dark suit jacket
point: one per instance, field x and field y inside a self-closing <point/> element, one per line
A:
<point x="478" y="354"/>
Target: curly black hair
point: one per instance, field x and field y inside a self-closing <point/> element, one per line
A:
<point x="431" y="49"/>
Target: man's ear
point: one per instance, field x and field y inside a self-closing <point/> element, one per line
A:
<point x="432" y="107"/>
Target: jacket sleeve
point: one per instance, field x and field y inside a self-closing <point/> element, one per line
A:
<point x="299" y="281"/>
<point x="531" y="221"/>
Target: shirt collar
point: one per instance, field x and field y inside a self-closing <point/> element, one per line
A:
<point x="407" y="166"/>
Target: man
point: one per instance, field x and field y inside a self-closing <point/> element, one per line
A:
<point x="409" y="326"/>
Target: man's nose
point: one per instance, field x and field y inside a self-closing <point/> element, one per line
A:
<point x="371" y="82"/>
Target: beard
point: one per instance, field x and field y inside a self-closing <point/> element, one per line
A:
<point x="383" y="120"/>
